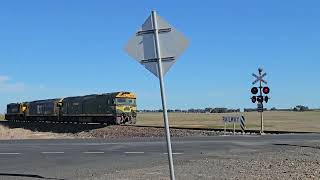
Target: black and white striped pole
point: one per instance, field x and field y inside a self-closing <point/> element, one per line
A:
<point x="243" y="124"/>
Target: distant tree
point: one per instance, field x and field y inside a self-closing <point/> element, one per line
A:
<point x="249" y="109"/>
<point x="273" y="109"/>
<point x="219" y="110"/>
<point x="301" y="108"/>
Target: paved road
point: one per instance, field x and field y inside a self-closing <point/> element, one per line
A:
<point x="85" y="158"/>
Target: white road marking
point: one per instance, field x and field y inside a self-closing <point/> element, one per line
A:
<point x="174" y="153"/>
<point x="133" y="152"/>
<point x="9" y="153"/>
<point x="93" y="152"/>
<point x="52" y="152"/>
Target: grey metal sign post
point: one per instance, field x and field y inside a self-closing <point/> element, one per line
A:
<point x="156" y="46"/>
<point x="163" y="95"/>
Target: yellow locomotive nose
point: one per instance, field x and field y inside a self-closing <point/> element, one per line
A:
<point x="126" y="108"/>
<point x="133" y="109"/>
<point x="123" y="108"/>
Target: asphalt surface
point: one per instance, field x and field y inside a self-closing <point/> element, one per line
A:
<point x="89" y="158"/>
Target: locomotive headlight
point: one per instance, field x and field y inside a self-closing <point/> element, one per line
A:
<point x="133" y="108"/>
<point x="24" y="108"/>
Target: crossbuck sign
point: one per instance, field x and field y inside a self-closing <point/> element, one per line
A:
<point x="259" y="78"/>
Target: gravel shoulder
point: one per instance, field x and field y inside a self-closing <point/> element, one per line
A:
<point x="20" y="133"/>
<point x="287" y="162"/>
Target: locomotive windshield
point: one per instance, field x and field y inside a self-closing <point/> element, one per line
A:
<point x="125" y="101"/>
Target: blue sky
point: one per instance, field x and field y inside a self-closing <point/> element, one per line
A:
<point x="65" y="48"/>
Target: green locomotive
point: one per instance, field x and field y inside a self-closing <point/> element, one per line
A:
<point x="107" y="108"/>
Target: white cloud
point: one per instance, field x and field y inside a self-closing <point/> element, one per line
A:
<point x="4" y="78"/>
<point x="42" y="86"/>
<point x="7" y="86"/>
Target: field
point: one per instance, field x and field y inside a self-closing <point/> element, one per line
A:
<point x="286" y="121"/>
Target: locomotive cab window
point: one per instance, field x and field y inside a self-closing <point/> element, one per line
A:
<point x="121" y="101"/>
<point x="131" y="101"/>
<point x="125" y="101"/>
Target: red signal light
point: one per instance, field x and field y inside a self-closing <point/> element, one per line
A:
<point x="266" y="90"/>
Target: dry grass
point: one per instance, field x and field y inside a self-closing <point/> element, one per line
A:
<point x="286" y="121"/>
<point x="19" y="133"/>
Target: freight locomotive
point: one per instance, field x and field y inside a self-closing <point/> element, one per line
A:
<point x="108" y="108"/>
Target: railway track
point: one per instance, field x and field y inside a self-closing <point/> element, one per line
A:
<point x="73" y="127"/>
<point x="247" y="131"/>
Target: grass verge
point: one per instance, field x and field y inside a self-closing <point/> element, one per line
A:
<point x="285" y="121"/>
<point x="1" y="117"/>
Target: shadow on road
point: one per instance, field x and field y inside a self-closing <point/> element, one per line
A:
<point x="52" y="127"/>
<point x="27" y="175"/>
<point x="295" y="145"/>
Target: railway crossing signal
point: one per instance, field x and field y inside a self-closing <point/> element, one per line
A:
<point x="254" y="90"/>
<point x="156" y="46"/>
<point x="266" y="90"/>
<point x="262" y="96"/>
<point x="254" y="99"/>
<point x="260" y="99"/>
